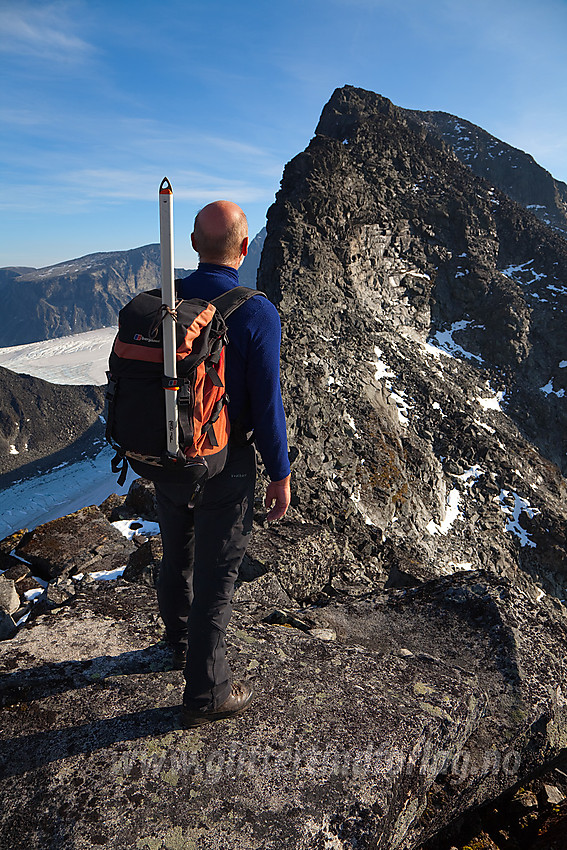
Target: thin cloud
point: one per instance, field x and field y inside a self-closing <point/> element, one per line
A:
<point x="19" y="117"/>
<point x="41" y="33"/>
<point x="146" y="136"/>
<point x="142" y="185"/>
<point x="84" y="189"/>
<point x="236" y="148"/>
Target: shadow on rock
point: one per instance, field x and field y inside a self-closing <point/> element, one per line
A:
<point x="43" y="748"/>
<point x="39" y="682"/>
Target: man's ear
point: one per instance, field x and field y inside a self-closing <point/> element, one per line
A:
<point x="244" y="247"/>
<point x="193" y="243"/>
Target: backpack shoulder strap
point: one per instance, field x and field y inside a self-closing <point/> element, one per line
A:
<point x="230" y="301"/>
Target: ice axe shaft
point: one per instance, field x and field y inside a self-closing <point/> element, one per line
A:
<point x="168" y="303"/>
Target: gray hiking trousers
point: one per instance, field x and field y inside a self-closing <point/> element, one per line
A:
<point x="203" y="548"/>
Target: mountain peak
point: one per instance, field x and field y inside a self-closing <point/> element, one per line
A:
<point x="422" y="342"/>
<point x="350" y="105"/>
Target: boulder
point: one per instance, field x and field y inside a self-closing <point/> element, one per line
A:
<point x="7" y="625"/>
<point x="303" y="556"/>
<point x="144" y="562"/>
<point x="17" y="571"/>
<point x="141" y="499"/>
<point x="59" y="592"/>
<point x="113" y="508"/>
<point x="81" y="542"/>
<point x="263" y="592"/>
<point x="9" y="599"/>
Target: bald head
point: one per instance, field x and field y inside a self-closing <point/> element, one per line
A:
<point x="220" y="234"/>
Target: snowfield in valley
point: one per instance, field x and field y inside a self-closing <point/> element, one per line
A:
<point x="78" y="359"/>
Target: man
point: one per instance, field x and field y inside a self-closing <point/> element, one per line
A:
<point x="203" y="547"/>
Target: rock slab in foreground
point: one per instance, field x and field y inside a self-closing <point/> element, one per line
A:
<point x="84" y="541"/>
<point x="348" y="743"/>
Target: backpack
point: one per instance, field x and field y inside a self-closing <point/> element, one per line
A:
<point x="136" y="416"/>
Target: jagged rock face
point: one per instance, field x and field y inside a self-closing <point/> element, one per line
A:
<point x="511" y="170"/>
<point x="38" y="419"/>
<point x="302" y="556"/>
<point x="382" y="247"/>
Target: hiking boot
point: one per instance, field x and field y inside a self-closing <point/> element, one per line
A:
<point x="178" y="657"/>
<point x="176" y="653"/>
<point x="238" y="699"/>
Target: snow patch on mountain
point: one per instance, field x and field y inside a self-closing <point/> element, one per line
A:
<point x="452" y="513"/>
<point x="383" y="372"/>
<point x="443" y="341"/>
<point x="131" y="528"/>
<point x="471" y="476"/>
<point x="548" y="390"/>
<point x="492" y="402"/>
<point x="523" y="274"/>
<point x="514" y="506"/>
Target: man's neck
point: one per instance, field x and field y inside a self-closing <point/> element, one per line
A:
<point x="229" y="265"/>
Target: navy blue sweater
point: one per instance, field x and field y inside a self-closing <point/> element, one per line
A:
<point x="252" y="364"/>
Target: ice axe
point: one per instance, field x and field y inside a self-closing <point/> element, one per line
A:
<point x="170" y="382"/>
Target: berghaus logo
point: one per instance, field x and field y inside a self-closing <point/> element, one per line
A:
<point x="140" y="338"/>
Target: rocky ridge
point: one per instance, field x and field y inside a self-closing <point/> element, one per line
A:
<point x="378" y="721"/>
<point x="422" y="357"/>
<point x="511" y="170"/>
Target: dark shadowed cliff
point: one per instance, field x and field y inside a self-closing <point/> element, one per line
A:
<point x="39" y="419"/>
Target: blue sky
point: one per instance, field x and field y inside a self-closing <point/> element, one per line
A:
<point x="100" y="99"/>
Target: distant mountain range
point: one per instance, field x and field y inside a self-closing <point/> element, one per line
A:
<point x="78" y="295"/>
<point x="85" y="293"/>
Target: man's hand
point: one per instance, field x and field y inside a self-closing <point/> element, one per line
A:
<point x="280" y="493"/>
